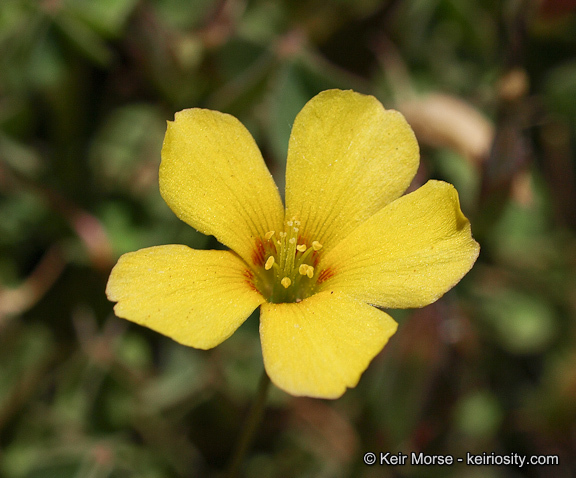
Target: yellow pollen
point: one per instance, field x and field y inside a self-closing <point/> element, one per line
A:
<point x="306" y="270"/>
<point x="287" y="274"/>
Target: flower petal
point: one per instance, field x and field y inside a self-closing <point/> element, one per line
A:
<point x="198" y="298"/>
<point x="213" y="177"/>
<point x="408" y="254"/>
<point x="347" y="158"/>
<point x="321" y="345"/>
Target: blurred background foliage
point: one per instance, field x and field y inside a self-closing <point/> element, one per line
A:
<point x="85" y="89"/>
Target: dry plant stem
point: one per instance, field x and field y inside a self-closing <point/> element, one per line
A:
<point x="250" y="426"/>
<point x="26" y="295"/>
<point x="88" y="228"/>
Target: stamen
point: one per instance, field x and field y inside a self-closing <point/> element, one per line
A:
<point x="306" y="270"/>
<point x="286" y="275"/>
<point x="310" y="272"/>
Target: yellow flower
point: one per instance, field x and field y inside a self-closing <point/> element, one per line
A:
<point x="346" y="242"/>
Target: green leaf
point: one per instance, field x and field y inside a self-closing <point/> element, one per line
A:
<point x="83" y="38"/>
<point x="106" y="17"/>
<point x="478" y="415"/>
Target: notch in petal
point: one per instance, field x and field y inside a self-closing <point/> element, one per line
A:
<point x="407" y="255"/>
<point x="214" y="178"/>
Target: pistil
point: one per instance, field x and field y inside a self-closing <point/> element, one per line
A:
<point x="289" y="273"/>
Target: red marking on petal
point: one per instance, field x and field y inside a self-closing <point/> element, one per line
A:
<point x="326" y="274"/>
<point x="315" y="258"/>
<point x="250" y="279"/>
<point x="258" y="253"/>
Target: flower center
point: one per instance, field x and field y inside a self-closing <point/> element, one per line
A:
<point x="289" y="265"/>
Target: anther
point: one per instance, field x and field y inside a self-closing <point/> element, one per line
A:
<point x="301" y="247"/>
<point x="268" y="235"/>
<point x="286" y="282"/>
<point x="269" y="263"/>
<point x="306" y="270"/>
<point x="316" y="246"/>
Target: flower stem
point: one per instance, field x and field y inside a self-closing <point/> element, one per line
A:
<point x="252" y="422"/>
